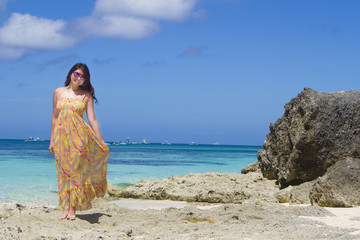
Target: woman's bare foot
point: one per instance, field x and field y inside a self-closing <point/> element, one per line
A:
<point x="64" y="214"/>
<point x="71" y="215"/>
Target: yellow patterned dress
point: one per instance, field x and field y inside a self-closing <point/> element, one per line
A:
<point x="81" y="159"/>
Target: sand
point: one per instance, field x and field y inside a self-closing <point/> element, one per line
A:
<point x="342" y="218"/>
<point x="152" y="219"/>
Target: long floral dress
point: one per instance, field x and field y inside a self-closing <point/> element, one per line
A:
<point x="81" y="159"/>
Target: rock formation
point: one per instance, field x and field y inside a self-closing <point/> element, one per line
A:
<point x="340" y="186"/>
<point x="316" y="144"/>
<point x="252" y="167"/>
<point x="206" y="187"/>
<point x="296" y="194"/>
<point x="312" y="153"/>
<point x="317" y="130"/>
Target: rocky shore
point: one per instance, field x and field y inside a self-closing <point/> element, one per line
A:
<point x="311" y="157"/>
<point x="218" y="206"/>
<point x="315" y="146"/>
<point x="207" y="187"/>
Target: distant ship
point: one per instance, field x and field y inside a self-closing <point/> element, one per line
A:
<point x="31" y="139"/>
<point x="193" y="144"/>
<point x="216" y="143"/>
<point x="127" y="142"/>
<point x="166" y="142"/>
<point x="144" y="141"/>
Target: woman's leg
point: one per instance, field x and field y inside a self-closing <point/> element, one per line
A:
<point x="72" y="210"/>
<point x="65" y="213"/>
<point x="71" y="215"/>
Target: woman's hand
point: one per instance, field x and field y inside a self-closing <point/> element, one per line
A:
<point x="51" y="148"/>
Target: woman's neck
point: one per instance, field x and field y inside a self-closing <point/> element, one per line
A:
<point x="74" y="89"/>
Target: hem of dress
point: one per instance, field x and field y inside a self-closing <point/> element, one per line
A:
<point x="83" y="196"/>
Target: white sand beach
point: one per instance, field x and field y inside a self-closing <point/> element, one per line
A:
<point x="159" y="219"/>
<point x="348" y="218"/>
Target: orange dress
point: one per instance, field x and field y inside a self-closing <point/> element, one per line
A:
<point x="81" y="159"/>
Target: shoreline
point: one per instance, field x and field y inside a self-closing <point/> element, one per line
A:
<point x="195" y="206"/>
<point x="107" y="220"/>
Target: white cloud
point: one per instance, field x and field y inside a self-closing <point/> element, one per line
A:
<point x="174" y="10"/>
<point x="26" y="31"/>
<point x="11" y="53"/>
<point x="127" y="19"/>
<point x="114" y="26"/>
<point x="131" y="19"/>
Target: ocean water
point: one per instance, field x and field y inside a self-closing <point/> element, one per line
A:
<point x="28" y="172"/>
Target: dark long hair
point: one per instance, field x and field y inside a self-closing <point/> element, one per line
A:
<point x="86" y="86"/>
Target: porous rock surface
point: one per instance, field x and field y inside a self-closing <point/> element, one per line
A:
<point x="206" y="187"/>
<point x="252" y="167"/>
<point x="317" y="130"/>
<point x="296" y="194"/>
<point x="340" y="186"/>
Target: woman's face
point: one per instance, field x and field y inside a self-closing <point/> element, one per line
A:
<point x="77" y="77"/>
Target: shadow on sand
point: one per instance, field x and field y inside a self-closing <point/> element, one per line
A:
<point x="92" y="218"/>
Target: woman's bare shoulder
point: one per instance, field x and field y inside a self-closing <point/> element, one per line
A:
<point x="88" y="96"/>
<point x="58" y="91"/>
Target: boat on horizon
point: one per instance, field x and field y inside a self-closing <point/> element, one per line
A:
<point x="144" y="141"/>
<point x="166" y="142"/>
<point x="31" y="139"/>
<point x="193" y="144"/>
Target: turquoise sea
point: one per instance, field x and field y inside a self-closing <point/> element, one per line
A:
<point x="28" y="173"/>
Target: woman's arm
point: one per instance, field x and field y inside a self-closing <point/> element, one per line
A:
<point x="55" y="115"/>
<point x="90" y="113"/>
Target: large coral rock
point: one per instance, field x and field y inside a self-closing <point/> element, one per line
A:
<point x="253" y="167"/>
<point x="340" y="186"/>
<point x="296" y="194"/>
<point x="206" y="187"/>
<point x="317" y="130"/>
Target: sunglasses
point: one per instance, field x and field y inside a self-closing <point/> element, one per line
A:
<point x="79" y="76"/>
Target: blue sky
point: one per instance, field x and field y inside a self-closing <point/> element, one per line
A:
<point x="176" y="70"/>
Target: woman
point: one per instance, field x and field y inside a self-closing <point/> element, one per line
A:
<point x="81" y="155"/>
